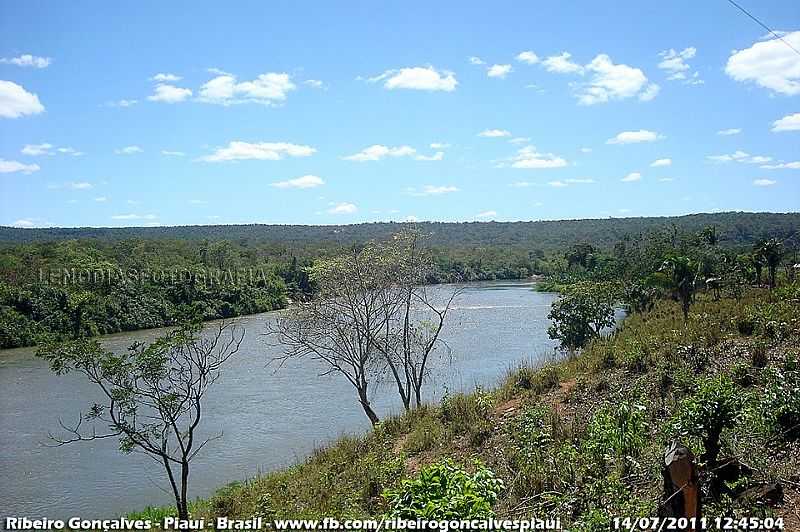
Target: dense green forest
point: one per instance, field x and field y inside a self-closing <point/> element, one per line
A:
<point x="60" y="283"/>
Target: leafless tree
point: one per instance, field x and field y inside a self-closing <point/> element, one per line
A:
<point x="153" y="395"/>
<point x="371" y="313"/>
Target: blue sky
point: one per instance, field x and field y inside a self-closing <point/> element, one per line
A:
<point x="173" y="113"/>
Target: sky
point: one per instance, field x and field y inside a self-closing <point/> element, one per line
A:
<point x="182" y="113"/>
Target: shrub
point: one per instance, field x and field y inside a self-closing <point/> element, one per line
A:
<point x="446" y="491"/>
<point x="616" y="432"/>
<point x="781" y="401"/>
<point x="714" y="407"/>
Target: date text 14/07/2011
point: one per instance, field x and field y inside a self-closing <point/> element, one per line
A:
<point x="698" y="523"/>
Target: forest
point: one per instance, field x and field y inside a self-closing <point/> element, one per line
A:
<point x="65" y="283"/>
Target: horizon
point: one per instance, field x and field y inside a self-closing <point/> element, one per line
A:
<point x="342" y="115"/>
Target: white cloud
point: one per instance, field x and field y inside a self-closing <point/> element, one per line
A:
<point x="314" y="83"/>
<point x="376" y="152"/>
<point x="764" y="182"/>
<point x="262" y="151"/>
<point x="15" y="101"/>
<point x="739" y="156"/>
<point x="486" y="214"/>
<point x="499" y="71"/>
<point x="48" y="149"/>
<point x="37" y="149"/>
<point x="80" y="185"/>
<point x="343" y="208"/>
<point x="562" y="64"/>
<point x="529" y="157"/>
<point x="134" y="217"/>
<point x="665" y="179"/>
<point x="586" y="150"/>
<point x="418" y="78"/>
<point x="128" y="150"/>
<point x="493" y="133"/>
<point x="631" y="137"/>
<point x="579" y="181"/>
<point x="794" y="165"/>
<point x="123" y="103"/>
<point x="438" y="156"/>
<point x="23" y="224"/>
<point x="661" y="162"/>
<point x="611" y="81"/>
<point x="674" y="64"/>
<point x="439" y="145"/>
<point x="162" y="78"/>
<point x="101" y="199"/>
<point x="432" y="190"/>
<point x="520" y="140"/>
<point x="267" y="89"/>
<point x="729" y="132"/>
<point x="770" y="64"/>
<point x="557" y="184"/>
<point x="10" y="167"/>
<point x="633" y="176"/>
<point x="476" y="60"/>
<point x="172" y="153"/>
<point x="527" y="57"/>
<point x="169" y="94"/>
<point x="787" y="123"/>
<point x="27" y="60"/>
<point x="521" y="184"/>
<point x="306" y="181"/>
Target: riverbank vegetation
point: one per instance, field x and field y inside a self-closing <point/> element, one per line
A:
<point x="708" y="357"/>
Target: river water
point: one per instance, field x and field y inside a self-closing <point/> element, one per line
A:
<point x="269" y="417"/>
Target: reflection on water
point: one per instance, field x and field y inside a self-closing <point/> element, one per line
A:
<point x="269" y="417"/>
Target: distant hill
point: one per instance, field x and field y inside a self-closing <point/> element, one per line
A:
<point x="733" y="228"/>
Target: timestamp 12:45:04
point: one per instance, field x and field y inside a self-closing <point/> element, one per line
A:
<point x="632" y="524"/>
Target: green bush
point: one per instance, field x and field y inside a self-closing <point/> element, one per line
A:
<point x="781" y="400"/>
<point x="446" y="491"/>
<point x="616" y="432"/>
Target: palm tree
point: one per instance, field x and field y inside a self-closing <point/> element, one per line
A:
<point x="682" y="272"/>
<point x="770" y="253"/>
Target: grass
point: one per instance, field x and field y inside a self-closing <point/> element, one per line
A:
<point x="581" y="438"/>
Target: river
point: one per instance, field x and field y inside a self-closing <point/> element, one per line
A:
<point x="270" y="417"/>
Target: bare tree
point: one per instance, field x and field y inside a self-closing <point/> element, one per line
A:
<point x="153" y="395"/>
<point x="371" y="313"/>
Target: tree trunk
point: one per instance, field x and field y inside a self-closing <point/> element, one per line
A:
<point x="362" y="398"/>
<point x="183" y="506"/>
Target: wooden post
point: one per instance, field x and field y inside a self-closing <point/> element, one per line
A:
<point x="681" y="485"/>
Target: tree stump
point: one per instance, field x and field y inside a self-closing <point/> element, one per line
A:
<point x="681" y="485"/>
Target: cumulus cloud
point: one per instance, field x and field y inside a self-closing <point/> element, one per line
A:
<point x="101" y="199"/>
<point x="418" y="78"/>
<point x="128" y="150"/>
<point x="438" y="156"/>
<point x="764" y="182"/>
<point x="48" y="149"/>
<point x="306" y="181"/>
<point x="343" y="208"/>
<point x="314" y="83"/>
<point x="486" y="214"/>
<point x="15" y="101"/>
<point x="376" y="152"/>
<point x="794" y="165"/>
<point x="787" y="123"/>
<point x="632" y="177"/>
<point x="499" y="71"/>
<point x="169" y="94"/>
<point x="271" y="88"/>
<point x="122" y="103"/>
<point x="730" y="131"/>
<point x="171" y="153"/>
<point x="24" y="224"/>
<point x="527" y="57"/>
<point x="163" y="78"/>
<point x="739" y="156"/>
<point x="661" y="162"/>
<point x="610" y="81"/>
<point x="562" y="64"/>
<point x="529" y="157"/>
<point x="10" y="167"/>
<point x="476" y="60"/>
<point x="432" y="190"/>
<point x="769" y="64"/>
<point x="674" y="64"/>
<point x="27" y="60"/>
<point x="263" y="151"/>
<point x="632" y="137"/>
<point x="439" y="145"/>
<point x="493" y="133"/>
